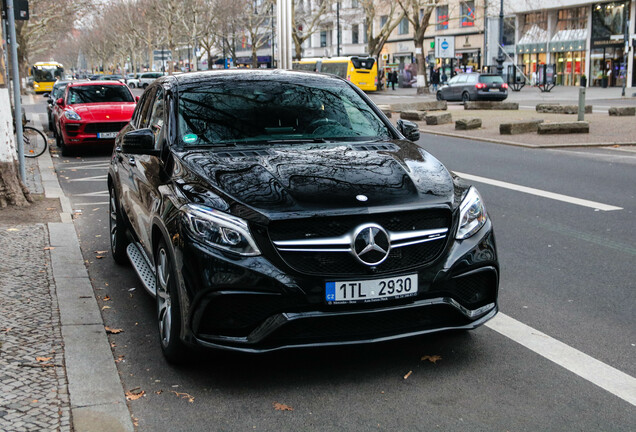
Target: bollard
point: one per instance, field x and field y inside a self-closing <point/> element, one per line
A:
<point x="581" y="103"/>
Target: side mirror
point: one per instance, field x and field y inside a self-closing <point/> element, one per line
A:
<point x="409" y="130"/>
<point x="137" y="98"/>
<point x="60" y="102"/>
<point x="140" y="141"/>
<point x="46" y="94"/>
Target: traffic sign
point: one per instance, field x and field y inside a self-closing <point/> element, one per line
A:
<point x="444" y="46"/>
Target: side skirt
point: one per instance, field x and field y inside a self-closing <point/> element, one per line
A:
<point x="142" y="266"/>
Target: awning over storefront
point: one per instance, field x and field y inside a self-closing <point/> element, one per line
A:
<point x="535" y="40"/>
<point x="568" y="40"/>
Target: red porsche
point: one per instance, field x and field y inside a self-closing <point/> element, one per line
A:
<point x="92" y="113"/>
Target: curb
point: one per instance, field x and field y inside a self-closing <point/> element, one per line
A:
<point x="96" y="395"/>
<point x="518" y="144"/>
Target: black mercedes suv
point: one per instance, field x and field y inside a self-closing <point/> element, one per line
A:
<point x="276" y="209"/>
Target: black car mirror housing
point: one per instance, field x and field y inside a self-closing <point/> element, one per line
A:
<point x="409" y="129"/>
<point x="140" y="141"/>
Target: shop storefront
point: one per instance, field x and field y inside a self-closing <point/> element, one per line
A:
<point x="568" y="45"/>
<point x="533" y="45"/>
<point x="608" y="61"/>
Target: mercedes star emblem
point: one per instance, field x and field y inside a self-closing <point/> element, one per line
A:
<point x="371" y="244"/>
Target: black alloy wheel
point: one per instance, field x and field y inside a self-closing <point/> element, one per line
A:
<point x="465" y="97"/>
<point x="439" y="96"/>
<point x="168" y="312"/>
<point x="118" y="239"/>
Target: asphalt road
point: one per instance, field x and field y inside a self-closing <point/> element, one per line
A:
<point x="567" y="271"/>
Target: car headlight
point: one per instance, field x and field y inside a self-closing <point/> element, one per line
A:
<point x="219" y="230"/>
<point x="472" y="214"/>
<point x="72" y="115"/>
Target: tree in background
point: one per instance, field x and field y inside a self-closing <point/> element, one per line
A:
<point x="394" y="14"/>
<point x="306" y="22"/>
<point x="418" y="12"/>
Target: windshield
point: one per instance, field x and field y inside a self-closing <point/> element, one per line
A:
<point x="99" y="94"/>
<point x="490" y="79"/>
<point x="47" y="73"/>
<point x="234" y="112"/>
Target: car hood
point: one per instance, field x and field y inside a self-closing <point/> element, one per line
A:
<point x="112" y="111"/>
<point x="305" y="179"/>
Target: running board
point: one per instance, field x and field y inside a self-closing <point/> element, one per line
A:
<point x="142" y="266"/>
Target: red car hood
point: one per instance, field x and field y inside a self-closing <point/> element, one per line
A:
<point x="105" y="112"/>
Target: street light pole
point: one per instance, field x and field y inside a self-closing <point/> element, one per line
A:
<point x="338" y="28"/>
<point x="500" y="56"/>
<point x="17" y="103"/>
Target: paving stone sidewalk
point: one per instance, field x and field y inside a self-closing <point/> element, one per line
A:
<point x="33" y="385"/>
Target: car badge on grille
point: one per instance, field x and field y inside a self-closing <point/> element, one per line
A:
<point x="362" y="198"/>
<point x="371" y="244"/>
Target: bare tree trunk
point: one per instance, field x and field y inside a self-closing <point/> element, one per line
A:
<point x="422" y="80"/>
<point x="12" y="190"/>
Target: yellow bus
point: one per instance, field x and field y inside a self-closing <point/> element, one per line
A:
<point x="361" y="71"/>
<point x="44" y="75"/>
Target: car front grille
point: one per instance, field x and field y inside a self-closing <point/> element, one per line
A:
<point x="104" y="127"/>
<point x="331" y="262"/>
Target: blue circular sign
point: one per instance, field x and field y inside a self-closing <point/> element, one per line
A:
<point x="444" y="45"/>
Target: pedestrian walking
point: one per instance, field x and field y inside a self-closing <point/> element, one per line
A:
<point x="393" y="79"/>
<point x="435" y="79"/>
<point x="443" y="78"/>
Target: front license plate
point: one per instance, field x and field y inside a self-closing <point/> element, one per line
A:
<point x="106" y="134"/>
<point x="370" y="290"/>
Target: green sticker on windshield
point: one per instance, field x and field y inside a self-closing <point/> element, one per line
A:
<point x="190" y="138"/>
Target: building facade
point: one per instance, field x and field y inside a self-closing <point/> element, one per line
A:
<point x="594" y="39"/>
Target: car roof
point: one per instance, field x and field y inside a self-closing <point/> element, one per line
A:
<point x="281" y="75"/>
<point x="96" y="82"/>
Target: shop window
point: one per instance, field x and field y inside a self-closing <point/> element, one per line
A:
<point x="509" y="31"/>
<point x="467" y="14"/>
<point x="383" y="20"/>
<point x="608" y="19"/>
<point x="403" y="27"/>
<point x="323" y="38"/>
<point x="355" y="35"/>
<point x="572" y="19"/>
<point x="442" y="17"/>
<point x="354" y="4"/>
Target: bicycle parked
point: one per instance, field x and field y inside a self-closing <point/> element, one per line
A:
<point x="34" y="140"/>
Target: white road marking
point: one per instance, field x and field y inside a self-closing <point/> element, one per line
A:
<point x="539" y="192"/>
<point x="606" y="377"/>
<point x="84" y="165"/>
<point x="88" y="204"/>
<point x="92" y="194"/>
<point x="99" y="178"/>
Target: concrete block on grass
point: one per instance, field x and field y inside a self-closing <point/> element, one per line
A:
<point x="468" y="123"/>
<point x="519" y="127"/>
<point x="438" y="118"/>
<point x="563" y="128"/>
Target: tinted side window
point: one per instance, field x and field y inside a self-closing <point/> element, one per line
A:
<point x="491" y="79"/>
<point x="157" y="114"/>
<point x="453" y="80"/>
<point x="144" y="114"/>
<point x="461" y="79"/>
<point x="472" y="79"/>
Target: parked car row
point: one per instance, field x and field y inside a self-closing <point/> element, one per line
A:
<point x="143" y="80"/>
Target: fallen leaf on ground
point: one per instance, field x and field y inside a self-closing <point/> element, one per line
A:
<point x="159" y="392"/>
<point x="282" y="407"/>
<point x="134" y="394"/>
<point x="43" y="359"/>
<point x="51" y="208"/>
<point x="408" y="374"/>
<point x="101" y="252"/>
<point x="433" y="359"/>
<point x="99" y="256"/>
<point x="112" y="330"/>
<point x="119" y="358"/>
<point x="106" y="298"/>
<point x="13" y="229"/>
<point x="184" y="396"/>
<point x="105" y="307"/>
<point x="49" y="248"/>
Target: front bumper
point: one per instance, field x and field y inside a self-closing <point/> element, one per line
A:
<point x="257" y="305"/>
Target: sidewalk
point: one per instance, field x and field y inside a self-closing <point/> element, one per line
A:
<point x="57" y="371"/>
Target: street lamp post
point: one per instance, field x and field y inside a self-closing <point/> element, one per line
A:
<point x="500" y="56"/>
<point x="338" y="28"/>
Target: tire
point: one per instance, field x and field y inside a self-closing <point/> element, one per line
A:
<point x="117" y="230"/>
<point x="465" y="97"/>
<point x="168" y="311"/>
<point x="131" y="85"/>
<point x="144" y="86"/>
<point x="439" y="96"/>
<point x="35" y="142"/>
